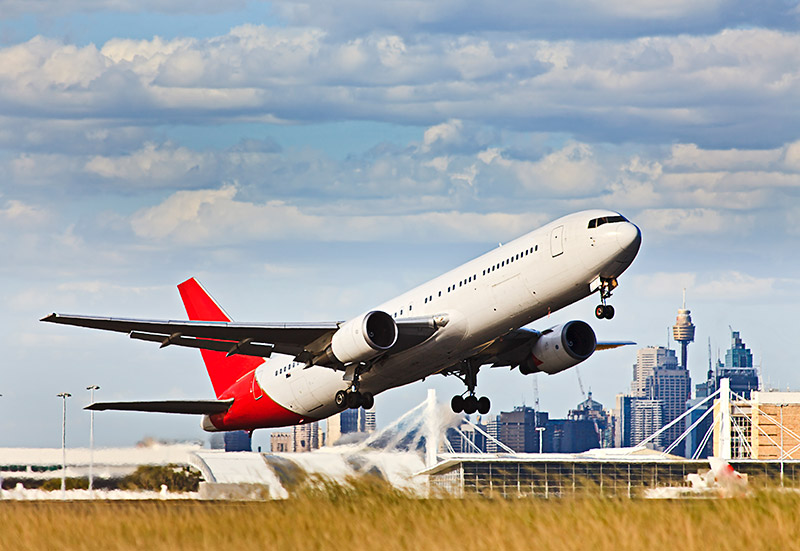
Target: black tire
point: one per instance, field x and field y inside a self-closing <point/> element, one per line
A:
<point x="484" y="405"/>
<point x="354" y="400"/>
<point x="600" y="311"/>
<point x="608" y="311"/>
<point x="470" y="405"/>
<point x="340" y="399"/>
<point x="457" y="404"/>
<point x="367" y="400"/>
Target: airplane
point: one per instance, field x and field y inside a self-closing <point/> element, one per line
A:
<point x="268" y="375"/>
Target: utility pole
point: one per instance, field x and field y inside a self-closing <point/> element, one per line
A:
<point x="64" y="396"/>
<point x="91" y="390"/>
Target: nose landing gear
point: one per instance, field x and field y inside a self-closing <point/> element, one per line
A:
<point x="604" y="310"/>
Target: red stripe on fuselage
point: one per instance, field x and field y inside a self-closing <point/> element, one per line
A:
<point x="247" y="413"/>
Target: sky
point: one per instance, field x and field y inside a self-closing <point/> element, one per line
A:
<point x="307" y="160"/>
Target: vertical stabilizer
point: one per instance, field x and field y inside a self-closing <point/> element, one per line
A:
<point x="223" y="371"/>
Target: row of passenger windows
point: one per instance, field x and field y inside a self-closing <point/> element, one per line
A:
<point x="474" y="277"/>
<point x="286" y="368"/>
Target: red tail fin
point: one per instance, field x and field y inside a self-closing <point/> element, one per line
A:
<point x="223" y="371"/>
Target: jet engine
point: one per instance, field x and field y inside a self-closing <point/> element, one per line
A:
<point x="560" y="348"/>
<point x="360" y="339"/>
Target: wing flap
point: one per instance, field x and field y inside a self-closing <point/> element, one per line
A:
<point x="246" y="347"/>
<point x="190" y="407"/>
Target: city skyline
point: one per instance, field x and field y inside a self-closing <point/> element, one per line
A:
<point x="307" y="163"/>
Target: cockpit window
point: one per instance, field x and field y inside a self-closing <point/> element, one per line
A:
<point x="597" y="222"/>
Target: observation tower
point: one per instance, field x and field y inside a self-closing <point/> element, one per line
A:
<point x="683" y="331"/>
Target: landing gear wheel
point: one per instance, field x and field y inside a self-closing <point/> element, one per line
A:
<point x="340" y="399"/>
<point x="354" y="400"/>
<point x="367" y="400"/>
<point x="600" y="311"/>
<point x="484" y="405"/>
<point x="457" y="404"/>
<point x="608" y="311"/>
<point x="470" y="405"/>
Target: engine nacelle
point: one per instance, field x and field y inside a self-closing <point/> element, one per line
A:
<point x="363" y="338"/>
<point x="560" y="348"/>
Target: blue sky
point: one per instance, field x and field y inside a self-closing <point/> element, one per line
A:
<point x="307" y="160"/>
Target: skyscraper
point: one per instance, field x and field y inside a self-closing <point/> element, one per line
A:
<point x="738" y="368"/>
<point x="350" y="421"/>
<point x="658" y="379"/>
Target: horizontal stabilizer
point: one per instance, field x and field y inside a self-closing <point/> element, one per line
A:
<point x="192" y="407"/>
<point x="608" y="345"/>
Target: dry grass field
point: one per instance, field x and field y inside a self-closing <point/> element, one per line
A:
<point x="377" y="519"/>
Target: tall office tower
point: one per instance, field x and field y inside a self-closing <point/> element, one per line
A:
<point x="623" y="417"/>
<point x="738" y="367"/>
<point x="647" y="419"/>
<point x="305" y="437"/>
<point x="349" y="421"/>
<point x="683" y="331"/>
<point x="518" y="429"/>
<point x="493" y="430"/>
<point x="370" y="421"/>
<point x="657" y="376"/>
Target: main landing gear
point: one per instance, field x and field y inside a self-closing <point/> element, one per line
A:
<point x="469" y="405"/>
<point x="604" y="310"/>
<point x="354" y="399"/>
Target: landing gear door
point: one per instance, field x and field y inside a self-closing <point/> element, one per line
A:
<point x="556" y="241"/>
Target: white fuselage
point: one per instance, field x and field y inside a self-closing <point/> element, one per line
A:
<point x="502" y="290"/>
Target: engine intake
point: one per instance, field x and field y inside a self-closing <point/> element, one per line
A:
<point x="560" y="348"/>
<point x="362" y="338"/>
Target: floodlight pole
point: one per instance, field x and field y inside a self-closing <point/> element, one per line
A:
<point x="64" y="396"/>
<point x="540" y="430"/>
<point x="91" y="390"/>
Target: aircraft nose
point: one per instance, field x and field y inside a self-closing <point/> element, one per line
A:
<point x="629" y="238"/>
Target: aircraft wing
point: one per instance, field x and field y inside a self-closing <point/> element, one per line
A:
<point x="609" y="345"/>
<point x="300" y="339"/>
<point x="514" y="347"/>
<point x="193" y="407"/>
<point x="250" y="339"/>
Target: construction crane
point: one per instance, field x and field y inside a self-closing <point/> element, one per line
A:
<point x="580" y="382"/>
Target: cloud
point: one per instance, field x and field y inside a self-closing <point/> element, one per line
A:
<point x="732" y="88"/>
<point x="728" y="287"/>
<point x="571" y="18"/>
<point x="216" y="216"/>
<point x="567" y="172"/>
<point x="54" y="8"/>
<point x="19" y="213"/>
<point x="695" y="221"/>
<point x="151" y="165"/>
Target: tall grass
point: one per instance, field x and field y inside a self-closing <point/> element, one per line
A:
<point x="379" y="519"/>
